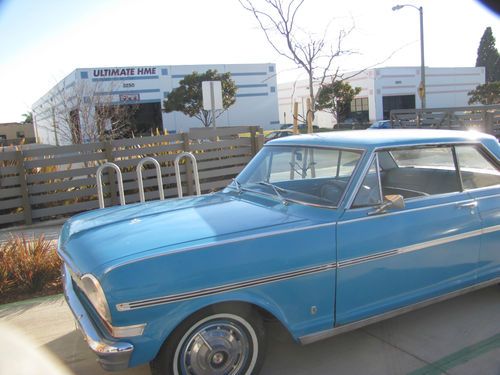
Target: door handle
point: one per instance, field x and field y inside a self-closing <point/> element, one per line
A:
<point x="470" y="205"/>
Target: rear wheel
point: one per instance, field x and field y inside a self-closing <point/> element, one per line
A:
<point x="214" y="341"/>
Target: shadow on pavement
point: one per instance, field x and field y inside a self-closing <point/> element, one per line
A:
<point x="17" y="308"/>
<point x="74" y="352"/>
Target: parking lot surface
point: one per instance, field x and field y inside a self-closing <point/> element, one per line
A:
<point x="460" y="336"/>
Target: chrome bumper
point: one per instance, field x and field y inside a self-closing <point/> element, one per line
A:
<point x="113" y="356"/>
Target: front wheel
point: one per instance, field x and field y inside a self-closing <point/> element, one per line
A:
<point x="230" y="341"/>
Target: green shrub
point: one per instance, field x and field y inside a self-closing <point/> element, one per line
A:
<point x="28" y="265"/>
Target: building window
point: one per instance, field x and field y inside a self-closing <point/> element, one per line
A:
<point x="271" y="69"/>
<point x="359" y="109"/>
<point x="359" y="105"/>
<point x="84" y="75"/>
<point x="164" y="72"/>
<point x="273" y="89"/>
<point x="20" y="134"/>
<point x="390" y="103"/>
<point x="3" y="136"/>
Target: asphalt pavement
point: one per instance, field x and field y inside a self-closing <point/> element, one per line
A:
<point x="460" y="336"/>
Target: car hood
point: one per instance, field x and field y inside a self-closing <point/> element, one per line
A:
<point x="95" y="240"/>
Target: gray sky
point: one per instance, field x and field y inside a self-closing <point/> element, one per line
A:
<point x="43" y="41"/>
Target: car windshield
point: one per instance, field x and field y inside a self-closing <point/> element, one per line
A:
<point x="304" y="175"/>
<point x="271" y="135"/>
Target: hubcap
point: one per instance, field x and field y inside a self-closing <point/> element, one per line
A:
<point x="219" y="347"/>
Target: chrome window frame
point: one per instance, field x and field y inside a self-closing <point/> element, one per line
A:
<point x="364" y="172"/>
<point x="373" y="158"/>
<point x="377" y="167"/>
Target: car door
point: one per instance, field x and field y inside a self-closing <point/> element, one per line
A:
<point x="397" y="257"/>
<point x="480" y="174"/>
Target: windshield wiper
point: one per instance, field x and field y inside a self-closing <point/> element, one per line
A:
<point x="277" y="190"/>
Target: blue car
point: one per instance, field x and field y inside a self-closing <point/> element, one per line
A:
<point x="324" y="233"/>
<point x="382" y="124"/>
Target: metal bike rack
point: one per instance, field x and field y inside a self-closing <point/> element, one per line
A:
<point x="178" y="173"/>
<point x="99" y="183"/>
<point x="158" y="177"/>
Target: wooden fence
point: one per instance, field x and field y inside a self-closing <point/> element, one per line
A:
<point x="53" y="182"/>
<point x="484" y="118"/>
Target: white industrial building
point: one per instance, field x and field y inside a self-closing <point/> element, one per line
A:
<point x="146" y="87"/>
<point x="385" y="89"/>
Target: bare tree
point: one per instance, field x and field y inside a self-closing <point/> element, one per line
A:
<point x="314" y="53"/>
<point x="84" y="112"/>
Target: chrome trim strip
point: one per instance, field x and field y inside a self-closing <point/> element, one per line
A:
<point x="308" y="339"/>
<point x="224" y="242"/>
<point x="491" y="229"/>
<point x="224" y="288"/>
<point x="439" y="241"/>
<point x="486" y="196"/>
<point x="327" y="147"/>
<point x="416" y="247"/>
<point x="354" y="261"/>
<point x="379" y="181"/>
<point x="427" y="144"/>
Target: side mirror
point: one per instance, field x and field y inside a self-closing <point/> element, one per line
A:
<point x="390" y="201"/>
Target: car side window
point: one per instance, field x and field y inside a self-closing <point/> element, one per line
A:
<point x="369" y="191"/>
<point x="475" y="169"/>
<point x="421" y="172"/>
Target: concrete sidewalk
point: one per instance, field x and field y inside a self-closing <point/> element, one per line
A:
<point x="49" y="229"/>
<point x="458" y="337"/>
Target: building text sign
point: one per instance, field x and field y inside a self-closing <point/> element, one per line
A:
<point x="124" y="72"/>
<point x="124" y="98"/>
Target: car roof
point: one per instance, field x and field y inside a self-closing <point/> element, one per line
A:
<point x="368" y="139"/>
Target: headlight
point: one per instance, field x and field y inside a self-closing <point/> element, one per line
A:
<point x="95" y="294"/>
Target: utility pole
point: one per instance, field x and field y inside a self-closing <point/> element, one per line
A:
<point x="421" y="87"/>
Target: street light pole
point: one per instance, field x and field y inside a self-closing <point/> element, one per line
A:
<point x="421" y="89"/>
<point x="422" y="61"/>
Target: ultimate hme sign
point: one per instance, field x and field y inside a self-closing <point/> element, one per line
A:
<point x="122" y="72"/>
